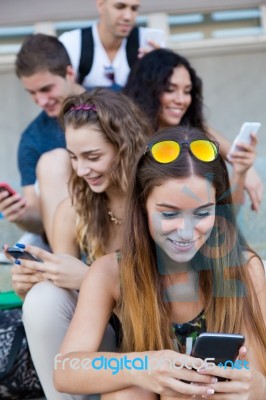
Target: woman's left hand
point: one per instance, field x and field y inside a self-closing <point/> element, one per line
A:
<point x="244" y="381"/>
<point x="62" y="269"/>
<point x="142" y="51"/>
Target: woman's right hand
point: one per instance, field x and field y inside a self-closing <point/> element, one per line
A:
<point x="62" y="269"/>
<point x="23" y="279"/>
<point x="166" y="377"/>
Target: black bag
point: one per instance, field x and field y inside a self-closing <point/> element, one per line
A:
<point x="18" y="378"/>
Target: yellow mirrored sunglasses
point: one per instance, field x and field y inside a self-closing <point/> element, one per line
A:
<point x="168" y="151"/>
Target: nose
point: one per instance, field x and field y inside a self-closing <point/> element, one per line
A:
<point x="179" y="97"/>
<point x="185" y="229"/>
<point x="41" y="99"/>
<point x="127" y="14"/>
<point x="82" y="169"/>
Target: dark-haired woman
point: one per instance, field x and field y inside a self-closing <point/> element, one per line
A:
<point x="168" y="89"/>
<point x="184" y="269"/>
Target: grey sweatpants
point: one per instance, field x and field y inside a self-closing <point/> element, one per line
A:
<point x="47" y="312"/>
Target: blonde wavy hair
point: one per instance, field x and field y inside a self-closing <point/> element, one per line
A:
<point x="125" y="127"/>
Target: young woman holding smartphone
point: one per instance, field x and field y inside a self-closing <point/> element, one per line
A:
<point x="168" y="89"/>
<point x="184" y="269"/>
<point x="104" y="131"/>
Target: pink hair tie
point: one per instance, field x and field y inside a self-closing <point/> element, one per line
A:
<point x="83" y="107"/>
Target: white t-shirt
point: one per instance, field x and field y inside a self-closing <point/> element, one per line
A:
<point x="97" y="75"/>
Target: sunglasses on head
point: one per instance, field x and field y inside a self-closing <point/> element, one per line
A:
<point x="168" y="151"/>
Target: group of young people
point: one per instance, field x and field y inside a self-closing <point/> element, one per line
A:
<point x="139" y="212"/>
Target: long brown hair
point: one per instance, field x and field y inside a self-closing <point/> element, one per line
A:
<point x="230" y="299"/>
<point x="123" y="125"/>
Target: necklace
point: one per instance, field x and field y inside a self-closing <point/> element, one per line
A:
<point x="115" y="220"/>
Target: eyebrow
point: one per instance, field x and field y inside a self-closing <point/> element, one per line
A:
<point x="40" y="89"/>
<point x="176" y="85"/>
<point x="85" y="153"/>
<point x="177" y="208"/>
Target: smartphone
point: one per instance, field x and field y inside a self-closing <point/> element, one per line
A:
<point x="155" y="35"/>
<point x="4" y="187"/>
<point x="17" y="253"/>
<point x="244" y="134"/>
<point x="220" y="346"/>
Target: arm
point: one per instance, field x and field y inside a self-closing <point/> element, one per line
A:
<point x="63" y="270"/>
<point x="241" y="160"/>
<point x="63" y="235"/>
<point x="252" y="184"/>
<point x="98" y="296"/>
<point x="31" y="219"/>
<point x="23" y="210"/>
<point x="53" y="186"/>
<point x="23" y="279"/>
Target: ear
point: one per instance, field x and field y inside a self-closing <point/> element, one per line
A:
<point x="99" y="5"/>
<point x="70" y="74"/>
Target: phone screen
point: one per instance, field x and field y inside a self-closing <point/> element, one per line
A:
<point x="155" y="35"/>
<point x="244" y="134"/>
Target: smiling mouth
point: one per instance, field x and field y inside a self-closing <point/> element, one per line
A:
<point x="175" y="110"/>
<point x="182" y="244"/>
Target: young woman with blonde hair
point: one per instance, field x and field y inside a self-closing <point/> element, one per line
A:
<point x="104" y="132"/>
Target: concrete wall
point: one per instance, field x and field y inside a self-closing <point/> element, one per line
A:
<point x="234" y="90"/>
<point x="19" y="12"/>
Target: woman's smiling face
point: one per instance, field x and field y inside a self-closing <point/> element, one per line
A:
<point x="181" y="215"/>
<point x="176" y="99"/>
<point x="92" y="157"/>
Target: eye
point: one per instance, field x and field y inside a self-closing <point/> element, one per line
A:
<point x="202" y="214"/>
<point x="170" y="214"/>
<point x="169" y="89"/>
<point x="96" y="158"/>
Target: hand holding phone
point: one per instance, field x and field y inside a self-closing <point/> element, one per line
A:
<point x="220" y="346"/>
<point x="19" y="253"/>
<point x="244" y="135"/>
<point x="4" y="187"/>
<point x="154" y="35"/>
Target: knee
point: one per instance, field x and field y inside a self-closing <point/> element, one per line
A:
<point x="130" y="393"/>
<point x="57" y="158"/>
<point x="43" y="305"/>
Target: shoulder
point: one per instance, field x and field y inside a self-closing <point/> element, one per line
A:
<point x="256" y="270"/>
<point x="68" y="38"/>
<point x="42" y="122"/>
<point x="54" y="158"/>
<point x="65" y="209"/>
<point x="33" y="126"/>
<point x="105" y="272"/>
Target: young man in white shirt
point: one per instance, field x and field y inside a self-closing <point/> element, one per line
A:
<point x="113" y="47"/>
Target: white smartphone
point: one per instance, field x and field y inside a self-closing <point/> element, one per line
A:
<point x="244" y="134"/>
<point x="155" y="35"/>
